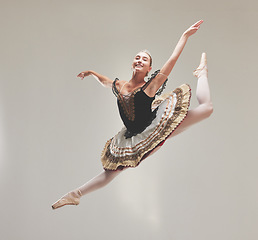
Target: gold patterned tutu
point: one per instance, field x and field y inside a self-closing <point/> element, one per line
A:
<point x="120" y="152"/>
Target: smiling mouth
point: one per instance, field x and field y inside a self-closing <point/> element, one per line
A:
<point x="138" y="65"/>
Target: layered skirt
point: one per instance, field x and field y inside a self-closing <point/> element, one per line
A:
<point x="120" y="152"/>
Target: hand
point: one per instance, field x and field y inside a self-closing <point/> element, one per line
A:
<point x="193" y="29"/>
<point x="84" y="74"/>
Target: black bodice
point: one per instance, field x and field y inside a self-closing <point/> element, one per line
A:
<point x="141" y="114"/>
<point x="135" y="109"/>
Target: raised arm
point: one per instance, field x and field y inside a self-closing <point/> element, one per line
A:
<point x="104" y="81"/>
<point x="168" y="66"/>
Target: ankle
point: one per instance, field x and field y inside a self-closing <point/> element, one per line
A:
<point x="75" y="193"/>
<point x="203" y="72"/>
<point x="78" y="193"/>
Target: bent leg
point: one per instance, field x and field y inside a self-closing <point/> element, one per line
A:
<point x="194" y="116"/>
<point x="205" y="108"/>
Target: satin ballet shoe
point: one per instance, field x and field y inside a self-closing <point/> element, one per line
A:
<point x="203" y="66"/>
<point x="71" y="198"/>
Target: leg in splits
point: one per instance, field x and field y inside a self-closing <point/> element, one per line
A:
<point x="73" y="197"/>
<point x="201" y="112"/>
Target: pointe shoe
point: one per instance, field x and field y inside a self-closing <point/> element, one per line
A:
<point x="71" y="198"/>
<point x="203" y="66"/>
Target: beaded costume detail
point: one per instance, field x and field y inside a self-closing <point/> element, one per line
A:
<point x="126" y="101"/>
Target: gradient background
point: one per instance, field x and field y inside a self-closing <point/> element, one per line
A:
<point x="202" y="185"/>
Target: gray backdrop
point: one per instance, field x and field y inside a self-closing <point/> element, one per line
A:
<point x="201" y="185"/>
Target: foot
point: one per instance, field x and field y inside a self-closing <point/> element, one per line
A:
<point x="202" y="70"/>
<point x="71" y="198"/>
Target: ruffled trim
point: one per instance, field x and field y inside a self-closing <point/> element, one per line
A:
<point x="111" y="162"/>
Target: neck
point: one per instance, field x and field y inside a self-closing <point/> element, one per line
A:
<point x="137" y="78"/>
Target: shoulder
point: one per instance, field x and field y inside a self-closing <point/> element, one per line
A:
<point x="118" y="83"/>
<point x="155" y="84"/>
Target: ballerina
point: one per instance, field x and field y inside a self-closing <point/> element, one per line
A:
<point x="149" y="120"/>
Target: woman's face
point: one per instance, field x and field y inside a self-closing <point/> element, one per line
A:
<point x="141" y="62"/>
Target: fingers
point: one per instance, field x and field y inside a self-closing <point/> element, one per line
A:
<point x="195" y="28"/>
<point x="197" y="24"/>
<point x="81" y="75"/>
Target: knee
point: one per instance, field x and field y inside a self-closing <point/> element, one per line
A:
<point x="208" y="109"/>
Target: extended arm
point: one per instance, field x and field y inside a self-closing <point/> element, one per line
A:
<point x="169" y="65"/>
<point x="104" y="81"/>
